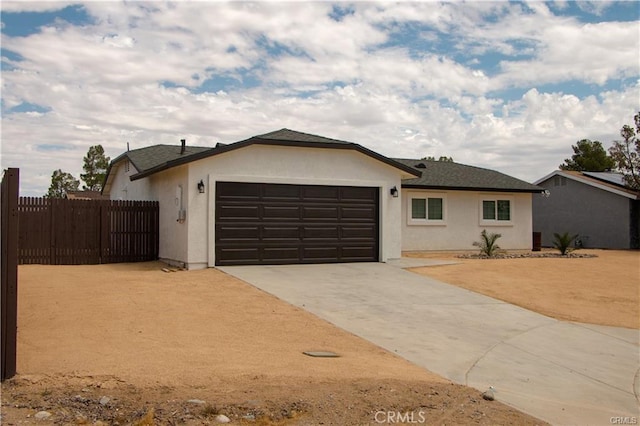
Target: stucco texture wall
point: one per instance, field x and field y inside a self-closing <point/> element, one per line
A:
<point x="165" y="188"/>
<point x="122" y="188"/>
<point x="463" y="222"/>
<point x="289" y="165"/>
<point x="599" y="217"/>
<point x="161" y="187"/>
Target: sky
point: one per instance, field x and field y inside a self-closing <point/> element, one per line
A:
<point x="509" y="86"/>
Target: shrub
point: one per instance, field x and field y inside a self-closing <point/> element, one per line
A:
<point x="563" y="242"/>
<point x="487" y="244"/>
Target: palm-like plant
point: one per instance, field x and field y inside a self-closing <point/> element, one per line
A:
<point x="563" y="242"/>
<point x="487" y="244"/>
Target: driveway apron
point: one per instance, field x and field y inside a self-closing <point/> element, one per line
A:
<point x="561" y="372"/>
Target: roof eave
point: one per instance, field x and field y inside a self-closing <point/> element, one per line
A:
<point x="472" y="189"/>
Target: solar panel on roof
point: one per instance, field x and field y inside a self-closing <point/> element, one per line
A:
<point x="615" y="178"/>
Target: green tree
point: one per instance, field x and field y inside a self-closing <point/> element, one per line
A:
<point x="95" y="167"/>
<point x="61" y="183"/>
<point x="626" y="154"/>
<point x="589" y="156"/>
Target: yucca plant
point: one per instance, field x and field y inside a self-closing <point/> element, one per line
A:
<point x="487" y="244"/>
<point x="563" y="242"/>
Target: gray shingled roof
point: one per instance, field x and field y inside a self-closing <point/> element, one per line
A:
<point x="292" y="135"/>
<point x="153" y="156"/>
<point x="449" y="175"/>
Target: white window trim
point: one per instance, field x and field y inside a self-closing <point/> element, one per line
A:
<point x="424" y="196"/>
<point x="496" y="222"/>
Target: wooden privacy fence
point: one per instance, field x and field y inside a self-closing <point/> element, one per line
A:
<point x="9" y="257"/>
<point x="58" y="231"/>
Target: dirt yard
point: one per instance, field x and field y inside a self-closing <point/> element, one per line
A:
<point x="131" y="344"/>
<point x="601" y="290"/>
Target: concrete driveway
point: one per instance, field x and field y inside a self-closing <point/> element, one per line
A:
<point x="561" y="372"/>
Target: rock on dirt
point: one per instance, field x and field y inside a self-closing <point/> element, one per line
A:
<point x="42" y="415"/>
<point x="221" y="418"/>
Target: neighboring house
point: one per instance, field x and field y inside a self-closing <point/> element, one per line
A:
<point x="86" y="195"/>
<point x="291" y="197"/>
<point x="595" y="205"/>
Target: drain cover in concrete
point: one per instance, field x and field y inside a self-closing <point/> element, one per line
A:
<point x="321" y="354"/>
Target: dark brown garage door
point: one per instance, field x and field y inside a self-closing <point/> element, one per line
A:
<point x="258" y="223"/>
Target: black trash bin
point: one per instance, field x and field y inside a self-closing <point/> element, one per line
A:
<point x="537" y="241"/>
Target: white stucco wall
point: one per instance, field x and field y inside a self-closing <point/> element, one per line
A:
<point x="165" y="188"/>
<point x="122" y="188"/>
<point x="463" y="222"/>
<point x="293" y="165"/>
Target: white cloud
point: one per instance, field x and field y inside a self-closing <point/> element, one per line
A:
<point x="102" y="82"/>
<point x="593" y="53"/>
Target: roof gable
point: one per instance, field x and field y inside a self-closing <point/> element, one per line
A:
<point x="456" y="176"/>
<point x="607" y="181"/>
<point x="162" y="157"/>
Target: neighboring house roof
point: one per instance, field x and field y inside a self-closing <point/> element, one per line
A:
<point x="86" y="195"/>
<point x="450" y="175"/>
<point x="157" y="158"/>
<point x="611" y="177"/>
<point x="607" y="181"/>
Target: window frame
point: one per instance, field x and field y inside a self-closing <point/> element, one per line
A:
<point x="495" y="221"/>
<point x="426" y="221"/>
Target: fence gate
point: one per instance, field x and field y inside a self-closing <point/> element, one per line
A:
<point x="58" y="231"/>
<point x="9" y="296"/>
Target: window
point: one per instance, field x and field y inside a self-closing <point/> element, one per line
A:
<point x="426" y="209"/>
<point x="496" y="211"/>
<point x="418" y="208"/>
<point x="434" y="209"/>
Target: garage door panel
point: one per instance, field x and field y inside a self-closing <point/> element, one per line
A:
<point x="359" y="233"/>
<point x="358" y="213"/>
<point x="357" y="253"/>
<point x="290" y="254"/>
<point x="282" y="193"/>
<point x="233" y="233"/>
<point x="358" y="194"/>
<point x="328" y="254"/>
<point x="245" y="255"/>
<point x="237" y="190"/>
<point x="234" y="212"/>
<point x="281" y="233"/>
<point x="321" y="233"/>
<point x="283" y="224"/>
<point x="321" y="193"/>
<point x="281" y="212"/>
<point x="320" y="213"/>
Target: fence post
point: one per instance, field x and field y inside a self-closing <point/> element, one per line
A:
<point x="9" y="262"/>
